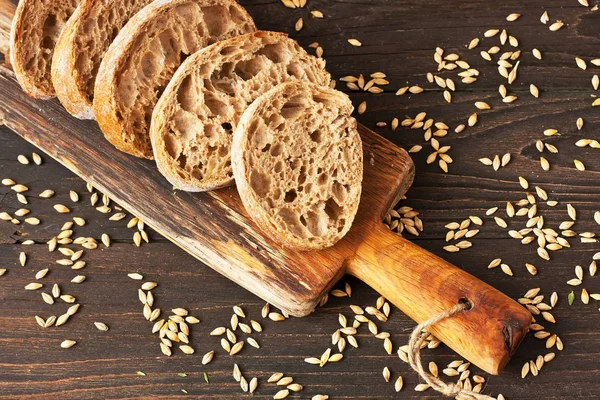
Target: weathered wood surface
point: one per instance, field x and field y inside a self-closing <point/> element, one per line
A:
<point x="398" y="38"/>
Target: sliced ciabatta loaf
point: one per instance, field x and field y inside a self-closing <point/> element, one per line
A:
<point x="297" y="161"/>
<point x="145" y="54"/>
<point x="35" y="29"/>
<point x="81" y="47"/>
<point x="194" y="120"/>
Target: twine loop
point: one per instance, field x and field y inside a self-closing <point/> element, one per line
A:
<point x="414" y="357"/>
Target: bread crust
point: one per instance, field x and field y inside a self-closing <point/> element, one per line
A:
<point x="241" y="167"/>
<point x="27" y="38"/>
<point x="68" y="79"/>
<point x="168" y="106"/>
<point x="106" y="108"/>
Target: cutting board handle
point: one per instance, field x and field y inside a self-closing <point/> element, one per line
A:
<point x="422" y="285"/>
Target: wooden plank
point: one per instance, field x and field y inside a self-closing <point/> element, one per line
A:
<point x="401" y="39"/>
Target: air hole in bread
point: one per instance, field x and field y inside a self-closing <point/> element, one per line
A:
<point x="339" y="191"/>
<point x="50" y="21"/>
<point x="290" y="196"/>
<point x="297" y="70"/>
<point x="316" y="222"/>
<point x="322" y="179"/>
<point x="332" y="209"/>
<point x="150" y="64"/>
<point x="275" y="52"/>
<point x="316" y="136"/>
<point x="48" y="42"/>
<point x="184" y="98"/>
<point x="276" y="149"/>
<point x="226" y="126"/>
<point x="260" y="183"/>
<point x="293" y="108"/>
<point x="182" y="56"/>
<point x="197" y="171"/>
<point x="248" y="69"/>
<point x="182" y="160"/>
<point x="214" y="17"/>
<point x="214" y="105"/>
<point x="225" y="51"/>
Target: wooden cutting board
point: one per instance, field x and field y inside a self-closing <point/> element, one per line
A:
<point x="214" y="228"/>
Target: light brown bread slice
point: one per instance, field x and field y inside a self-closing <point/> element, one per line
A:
<point x="297" y="161"/>
<point x="81" y="47"/>
<point x="35" y="29"/>
<point x="194" y="120"/>
<point x="144" y="56"/>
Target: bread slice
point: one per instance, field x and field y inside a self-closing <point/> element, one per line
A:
<point x="298" y="164"/>
<point x="194" y="120"/>
<point x="35" y="29"/>
<point x="81" y="47"/>
<point x="144" y="56"/>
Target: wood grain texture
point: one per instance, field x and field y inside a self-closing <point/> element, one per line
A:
<point x="423" y="285"/>
<point x="397" y="38"/>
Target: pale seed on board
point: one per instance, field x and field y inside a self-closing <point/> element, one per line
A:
<point x="207" y="358"/>
<point x="66" y="344"/>
<point x="282" y="394"/>
<point x="275" y="316"/>
<point x="149" y="285"/>
<point x="354" y="42"/>
<point x="166" y="350"/>
<point x="135" y="276"/>
<point x="101" y="326"/>
<point x="386" y="374"/>
<point x="60" y="208"/>
<point x="421" y="387"/>
<point x="236" y="348"/>
<point x="243" y="384"/>
<point x="537" y="54"/>
<point x="22" y="259"/>
<point x="62" y="319"/>
<point x="186" y="349"/>
<point x="534" y="91"/>
<point x="556" y="26"/>
<point x="33" y="286"/>
<point x="473" y="43"/>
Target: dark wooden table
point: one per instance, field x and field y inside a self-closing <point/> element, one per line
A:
<point x="398" y="38"/>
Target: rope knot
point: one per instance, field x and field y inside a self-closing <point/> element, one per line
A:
<point x="451" y="389"/>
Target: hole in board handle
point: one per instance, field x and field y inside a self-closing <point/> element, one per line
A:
<point x="467" y="302"/>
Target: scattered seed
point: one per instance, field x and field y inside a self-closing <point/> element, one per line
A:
<point x="101" y="326"/>
<point x="556" y="26"/>
<point x="207" y="358"/>
<point x="66" y="344"/>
